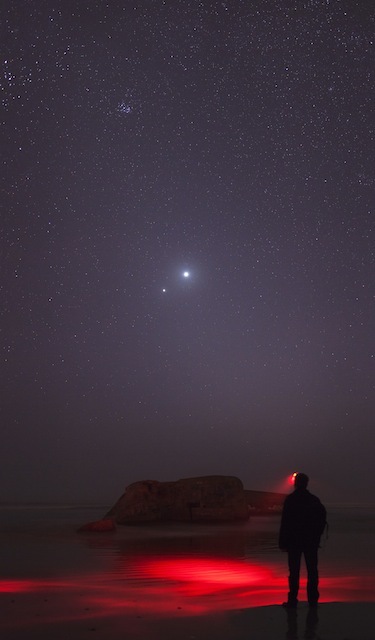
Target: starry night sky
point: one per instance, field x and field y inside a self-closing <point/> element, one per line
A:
<point x="230" y="140"/>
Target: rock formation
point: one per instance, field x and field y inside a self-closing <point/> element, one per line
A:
<point x="264" y="502"/>
<point x="204" y="499"/>
<point x="98" y="526"/>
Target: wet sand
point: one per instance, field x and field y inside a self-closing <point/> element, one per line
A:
<point x="44" y="617"/>
<point x="178" y="582"/>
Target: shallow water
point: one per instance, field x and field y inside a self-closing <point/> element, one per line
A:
<point x="166" y="569"/>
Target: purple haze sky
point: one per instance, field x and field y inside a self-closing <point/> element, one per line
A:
<point x="231" y="140"/>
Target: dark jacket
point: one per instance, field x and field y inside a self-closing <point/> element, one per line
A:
<point x="302" y="522"/>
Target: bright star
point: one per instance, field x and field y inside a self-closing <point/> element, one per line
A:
<point x="186" y="274"/>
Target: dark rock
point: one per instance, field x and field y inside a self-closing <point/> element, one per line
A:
<point x="264" y="502"/>
<point x="99" y="526"/>
<point x="204" y="499"/>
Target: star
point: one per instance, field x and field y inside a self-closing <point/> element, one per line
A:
<point x="186" y="274"/>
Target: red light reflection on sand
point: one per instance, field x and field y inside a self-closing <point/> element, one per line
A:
<point x="198" y="585"/>
<point x="16" y="586"/>
<point x="208" y="574"/>
<point x="171" y="586"/>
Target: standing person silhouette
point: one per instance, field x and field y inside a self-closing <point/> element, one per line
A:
<point x="302" y="523"/>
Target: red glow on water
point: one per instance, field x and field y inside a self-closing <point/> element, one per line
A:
<point x="16" y="586"/>
<point x="209" y="572"/>
<point x="166" y="586"/>
<point x="34" y="585"/>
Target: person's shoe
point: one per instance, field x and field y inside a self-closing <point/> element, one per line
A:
<point x="289" y="605"/>
<point x="313" y="605"/>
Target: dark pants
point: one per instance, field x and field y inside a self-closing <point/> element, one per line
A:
<point x="294" y="562"/>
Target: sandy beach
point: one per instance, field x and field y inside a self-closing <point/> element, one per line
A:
<point x="51" y="616"/>
<point x="178" y="581"/>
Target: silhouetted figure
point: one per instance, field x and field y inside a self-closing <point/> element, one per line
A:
<point x="302" y="524"/>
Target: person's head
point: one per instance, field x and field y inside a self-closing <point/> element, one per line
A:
<point x="301" y="480"/>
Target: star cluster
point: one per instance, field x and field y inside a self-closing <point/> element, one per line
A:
<point x="188" y="243"/>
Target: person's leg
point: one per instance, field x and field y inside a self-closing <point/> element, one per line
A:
<point x="294" y="562"/>
<point x="311" y="559"/>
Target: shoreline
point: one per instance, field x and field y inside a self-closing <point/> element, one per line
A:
<point x="44" y="617"/>
<point x="188" y="582"/>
